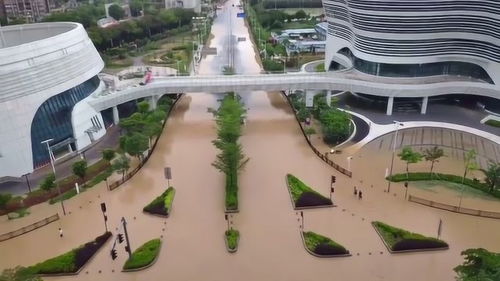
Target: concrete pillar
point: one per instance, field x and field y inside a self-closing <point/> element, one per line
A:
<point x="116" y="115"/>
<point x="423" y="109"/>
<point x="390" y="103"/>
<point x="329" y="97"/>
<point x="70" y="148"/>
<point x="153" y="102"/>
<point x="309" y="98"/>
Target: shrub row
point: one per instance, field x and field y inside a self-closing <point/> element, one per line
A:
<point x="232" y="237"/>
<point x="322" y="245"/>
<point x="144" y="255"/>
<point x="492" y="122"/>
<point x="423" y="176"/>
<point x="71" y="261"/>
<point x="400" y="240"/>
<point x="303" y="195"/>
<point x="161" y="205"/>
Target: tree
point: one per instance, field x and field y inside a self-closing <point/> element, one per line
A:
<point x="300" y="14"/>
<point x="4" y="198"/>
<point x="48" y="182"/>
<point x="80" y="169"/>
<point x="310" y="131"/>
<point x="410" y="157"/>
<point x="470" y="162"/>
<point x="492" y="174"/>
<point x="135" y="144"/>
<point x="18" y="274"/>
<point x="432" y="155"/>
<point x="116" y="12"/>
<point x="143" y="107"/>
<point x="108" y="154"/>
<point x="479" y="265"/>
<point x="121" y="165"/>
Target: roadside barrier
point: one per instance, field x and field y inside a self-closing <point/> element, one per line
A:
<point x="26" y="229"/>
<point x="456" y="209"/>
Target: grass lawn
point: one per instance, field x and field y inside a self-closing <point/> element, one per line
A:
<point x="303" y="195"/>
<point x="161" y="205"/>
<point x="432" y="185"/>
<point x="322" y="245"/>
<point x="399" y="239"/>
<point x="320" y="67"/>
<point x="144" y="255"/>
<point x="492" y="122"/>
<point x="232" y="236"/>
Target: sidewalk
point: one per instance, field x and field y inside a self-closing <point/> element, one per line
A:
<point x="63" y="168"/>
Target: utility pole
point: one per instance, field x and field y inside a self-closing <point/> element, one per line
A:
<point x="128" y="248"/>
<point x="393" y="152"/>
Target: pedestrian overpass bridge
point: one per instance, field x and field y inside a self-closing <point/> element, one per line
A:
<point x="340" y="81"/>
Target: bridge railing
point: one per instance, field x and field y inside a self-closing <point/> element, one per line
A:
<point x="452" y="208"/>
<point x="31" y="227"/>
<point x="323" y="157"/>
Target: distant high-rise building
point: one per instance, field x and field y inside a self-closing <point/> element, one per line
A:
<point x="31" y="10"/>
<point x="2" y="9"/>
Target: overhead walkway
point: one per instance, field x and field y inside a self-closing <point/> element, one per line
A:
<point x="340" y="81"/>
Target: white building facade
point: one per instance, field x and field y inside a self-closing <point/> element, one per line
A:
<point x="415" y="38"/>
<point x="47" y="72"/>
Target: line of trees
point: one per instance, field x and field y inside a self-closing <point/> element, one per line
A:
<point x="231" y="159"/>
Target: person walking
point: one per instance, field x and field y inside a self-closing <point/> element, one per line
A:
<point x="355" y="191"/>
<point x="360" y="195"/>
<point x="60" y="232"/>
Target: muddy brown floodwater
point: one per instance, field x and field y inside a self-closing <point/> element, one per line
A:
<point x="270" y="246"/>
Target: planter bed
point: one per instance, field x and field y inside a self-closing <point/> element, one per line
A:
<point x="232" y="239"/>
<point x="72" y="262"/>
<point x="398" y="240"/>
<point x="304" y="196"/>
<point x="321" y="246"/>
<point x="161" y="205"/>
<point x="144" y="256"/>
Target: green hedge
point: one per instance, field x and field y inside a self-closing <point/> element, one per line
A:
<point x="161" y="205"/>
<point x="492" y="122"/>
<point x="422" y="176"/>
<point x="303" y="195"/>
<point x="71" y="261"/>
<point x="399" y="239"/>
<point x="232" y="236"/>
<point x="144" y="255"/>
<point x="322" y="245"/>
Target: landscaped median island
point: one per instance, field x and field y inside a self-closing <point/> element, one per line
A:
<point x="144" y="256"/>
<point x="232" y="237"/>
<point x="322" y="246"/>
<point x="423" y="176"/>
<point x="161" y="205"/>
<point x="400" y="240"/>
<point x="71" y="262"/>
<point x="303" y="196"/>
<point x="231" y="159"/>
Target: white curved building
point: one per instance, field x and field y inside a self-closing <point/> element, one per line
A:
<point x="47" y="70"/>
<point x="415" y="38"/>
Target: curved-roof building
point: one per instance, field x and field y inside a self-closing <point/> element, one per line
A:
<point x="46" y="71"/>
<point x="415" y="38"/>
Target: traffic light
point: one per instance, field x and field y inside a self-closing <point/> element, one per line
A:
<point x="334" y="179"/>
<point x="120" y="238"/>
<point x="113" y="254"/>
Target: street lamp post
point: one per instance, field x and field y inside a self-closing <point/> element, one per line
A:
<point x="349" y="163"/>
<point x="397" y="123"/>
<point x="27" y="182"/>
<point x="51" y="156"/>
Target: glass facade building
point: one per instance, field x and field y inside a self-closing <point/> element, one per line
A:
<point x="53" y="119"/>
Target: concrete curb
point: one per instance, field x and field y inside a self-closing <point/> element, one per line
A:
<point x="320" y="256"/>
<point x="148" y="265"/>
<point x="405" y="251"/>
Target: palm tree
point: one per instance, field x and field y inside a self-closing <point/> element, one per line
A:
<point x="492" y="174"/>
<point x="470" y="162"/>
<point x="410" y="157"/>
<point x="432" y="155"/>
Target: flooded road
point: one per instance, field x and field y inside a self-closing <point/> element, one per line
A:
<point x="270" y="245"/>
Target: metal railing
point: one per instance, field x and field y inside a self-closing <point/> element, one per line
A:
<point x="26" y="229"/>
<point x="452" y="208"/>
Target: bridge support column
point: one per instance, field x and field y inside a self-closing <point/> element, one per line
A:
<point x="423" y="109"/>
<point x="390" y="103"/>
<point x="116" y="115"/>
<point x="309" y="98"/>
<point x="153" y="102"/>
<point x="329" y="97"/>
